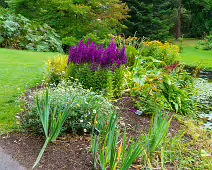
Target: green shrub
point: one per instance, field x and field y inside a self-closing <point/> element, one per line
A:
<point x="159" y="82"/>
<point x="19" y="32"/>
<point x="205" y="44"/>
<point x="145" y="89"/>
<point x="109" y="83"/>
<point x="2" y="10"/>
<point x="93" y="37"/>
<point x="87" y="105"/>
<point x="165" y="52"/>
<point x="67" y="42"/>
<point x="104" y="81"/>
<point x="157" y="89"/>
<point x="178" y="95"/>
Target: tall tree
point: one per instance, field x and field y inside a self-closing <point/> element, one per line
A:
<point x="201" y="17"/>
<point x="150" y="18"/>
<point x="178" y="33"/>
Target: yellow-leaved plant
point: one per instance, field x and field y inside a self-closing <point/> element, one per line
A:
<point x="56" y="68"/>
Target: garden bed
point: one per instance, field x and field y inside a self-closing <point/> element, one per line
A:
<point x="76" y="100"/>
<point x="73" y="152"/>
<point x="69" y="153"/>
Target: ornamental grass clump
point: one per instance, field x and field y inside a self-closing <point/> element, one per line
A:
<point x="52" y="121"/>
<point x="114" y="150"/>
<point x="98" y="56"/>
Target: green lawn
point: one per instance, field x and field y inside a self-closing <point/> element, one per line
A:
<point x="19" y="70"/>
<point x="192" y="56"/>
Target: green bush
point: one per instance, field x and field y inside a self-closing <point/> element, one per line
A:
<point x="205" y="44"/>
<point x="110" y="83"/>
<point x="86" y="107"/>
<point x="165" y="52"/>
<point x="103" y="81"/>
<point x="19" y="32"/>
<point x="178" y="93"/>
<point x="159" y="82"/>
<point x="155" y="89"/>
<point x="2" y="10"/>
<point x="67" y="42"/>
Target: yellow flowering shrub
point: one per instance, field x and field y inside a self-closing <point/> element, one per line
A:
<point x="161" y="51"/>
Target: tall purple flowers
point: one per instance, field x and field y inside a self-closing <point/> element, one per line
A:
<point x="111" y="57"/>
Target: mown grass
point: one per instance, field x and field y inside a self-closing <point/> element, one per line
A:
<point x="192" y="56"/>
<point x="19" y="70"/>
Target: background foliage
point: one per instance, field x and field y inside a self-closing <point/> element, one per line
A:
<point x="75" y="18"/>
<point x="19" y="32"/>
<point x="149" y="18"/>
<point x="79" y="19"/>
<point x="205" y="44"/>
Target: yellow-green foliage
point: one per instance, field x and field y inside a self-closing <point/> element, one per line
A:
<point x="57" y="68"/>
<point x="161" y="51"/>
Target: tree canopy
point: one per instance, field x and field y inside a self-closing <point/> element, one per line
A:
<point x="75" y="17"/>
<point x="155" y="19"/>
<point x="150" y="18"/>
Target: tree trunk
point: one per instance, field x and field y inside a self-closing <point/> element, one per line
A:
<point x="178" y="33"/>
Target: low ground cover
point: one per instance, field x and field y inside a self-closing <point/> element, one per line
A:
<point x="19" y="70"/>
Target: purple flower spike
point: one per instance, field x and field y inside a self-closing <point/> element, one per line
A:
<point x="90" y="53"/>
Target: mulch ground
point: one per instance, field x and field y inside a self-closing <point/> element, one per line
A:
<point x="72" y="153"/>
